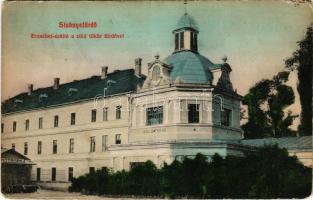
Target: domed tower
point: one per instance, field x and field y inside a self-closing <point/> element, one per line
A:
<point x="186" y="34"/>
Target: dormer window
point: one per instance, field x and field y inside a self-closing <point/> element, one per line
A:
<point x="72" y="91"/>
<point x="42" y="97"/>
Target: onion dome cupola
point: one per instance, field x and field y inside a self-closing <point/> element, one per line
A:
<point x="186" y="34"/>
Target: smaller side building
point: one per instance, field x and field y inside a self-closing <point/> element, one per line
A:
<point x="298" y="146"/>
<point x="15" y="169"/>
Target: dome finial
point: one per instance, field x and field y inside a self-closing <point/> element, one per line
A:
<point x="185" y="3"/>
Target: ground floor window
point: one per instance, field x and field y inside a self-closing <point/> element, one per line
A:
<point x="38" y="174"/>
<point x="134" y="164"/>
<point x="155" y="115"/>
<point x="92" y="169"/>
<point x="70" y="173"/>
<point x="53" y="174"/>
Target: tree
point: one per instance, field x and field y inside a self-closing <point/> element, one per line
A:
<point x="266" y="103"/>
<point x="301" y="61"/>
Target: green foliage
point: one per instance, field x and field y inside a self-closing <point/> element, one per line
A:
<point x="266" y="173"/>
<point x="266" y="103"/>
<point x="301" y="61"/>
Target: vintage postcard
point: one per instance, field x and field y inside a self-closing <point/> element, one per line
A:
<point x="156" y="99"/>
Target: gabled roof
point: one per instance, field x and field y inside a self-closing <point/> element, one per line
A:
<point x="191" y="67"/>
<point x="11" y="153"/>
<point x="120" y="81"/>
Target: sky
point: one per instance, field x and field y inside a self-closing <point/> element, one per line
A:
<point x="256" y="36"/>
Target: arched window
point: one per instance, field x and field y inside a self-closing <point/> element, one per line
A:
<point x="156" y="73"/>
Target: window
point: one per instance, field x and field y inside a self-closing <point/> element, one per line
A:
<point x="156" y="73"/>
<point x="38" y="174"/>
<point x="195" y="42"/>
<point x="40" y="122"/>
<point x="118" y="139"/>
<point x="93" y="115"/>
<point x="104" y="142"/>
<point x="193" y="113"/>
<point x="105" y="114"/>
<point x="13" y="146"/>
<point x="71" y="150"/>
<point x="176" y="41"/>
<point x="27" y="125"/>
<point x="181" y="42"/>
<point x="70" y="173"/>
<point x="25" y="148"/>
<point x="56" y="121"/>
<point x="226" y="117"/>
<point x="155" y="115"/>
<point x="118" y="112"/>
<point x="39" y="147"/>
<point x="14" y="126"/>
<point x="73" y="116"/>
<point x="92" y="170"/>
<point x="92" y="144"/>
<point x="55" y="147"/>
<point x="135" y="164"/>
<point x="53" y="174"/>
<point x="2" y="127"/>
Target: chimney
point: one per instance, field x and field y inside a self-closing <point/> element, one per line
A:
<point x="30" y="89"/>
<point x="138" y="66"/>
<point x="104" y="72"/>
<point x="56" y="83"/>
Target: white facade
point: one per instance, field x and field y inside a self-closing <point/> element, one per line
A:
<point x="192" y="118"/>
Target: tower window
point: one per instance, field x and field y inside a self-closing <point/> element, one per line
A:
<point x="195" y="38"/>
<point x="13" y="146"/>
<point x="2" y="127"/>
<point x="176" y="41"/>
<point x="226" y="117"/>
<point x="155" y="115"/>
<point x="193" y="113"/>
<point x="181" y="40"/>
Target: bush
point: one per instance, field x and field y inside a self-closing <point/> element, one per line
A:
<point x="266" y="173"/>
